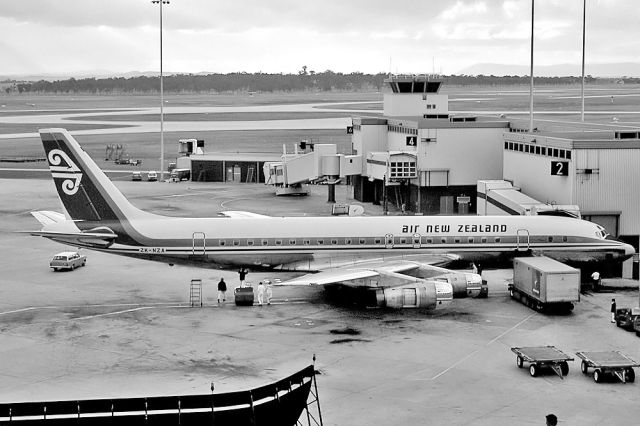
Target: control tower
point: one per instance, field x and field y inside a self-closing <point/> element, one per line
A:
<point x="415" y="95"/>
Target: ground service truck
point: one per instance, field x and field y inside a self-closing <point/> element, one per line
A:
<point x="545" y="284"/>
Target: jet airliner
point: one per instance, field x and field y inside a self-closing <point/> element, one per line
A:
<point x="397" y="259"/>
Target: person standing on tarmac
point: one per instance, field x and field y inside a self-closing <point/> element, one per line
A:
<point x="222" y="290"/>
<point x="269" y="292"/>
<point x="260" y="293"/>
<point x="613" y="310"/>
<point x="243" y="274"/>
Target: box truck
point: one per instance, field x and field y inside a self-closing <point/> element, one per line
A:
<point x="545" y="284"/>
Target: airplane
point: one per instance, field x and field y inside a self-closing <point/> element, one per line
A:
<point x="397" y="260"/>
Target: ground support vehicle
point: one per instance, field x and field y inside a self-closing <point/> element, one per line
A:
<point x="540" y="357"/>
<point x="626" y="317"/>
<point x="608" y="363"/>
<point x="243" y="296"/>
<point x="545" y="284"/>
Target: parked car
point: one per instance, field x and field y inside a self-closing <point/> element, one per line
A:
<point x="626" y="317"/>
<point x="152" y="176"/>
<point x="68" y="260"/>
<point x="136" y="176"/>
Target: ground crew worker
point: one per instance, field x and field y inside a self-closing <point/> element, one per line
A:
<point x="222" y="290"/>
<point x="269" y="292"/>
<point x="243" y="274"/>
<point x="260" y="293"/>
<point x="595" y="277"/>
<point x="613" y="310"/>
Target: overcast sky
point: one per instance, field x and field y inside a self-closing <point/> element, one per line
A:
<point x="78" y="36"/>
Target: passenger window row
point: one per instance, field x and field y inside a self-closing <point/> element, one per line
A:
<point x="422" y="240"/>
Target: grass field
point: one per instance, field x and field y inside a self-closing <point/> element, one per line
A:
<point x="615" y="104"/>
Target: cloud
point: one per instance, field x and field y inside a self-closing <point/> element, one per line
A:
<point x="283" y="35"/>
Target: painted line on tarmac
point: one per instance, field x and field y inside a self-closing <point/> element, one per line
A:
<point x="114" y="313"/>
<point x="17" y="311"/>
<point x="478" y="350"/>
<point x="138" y="307"/>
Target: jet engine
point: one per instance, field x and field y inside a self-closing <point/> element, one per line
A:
<point x="420" y="294"/>
<point x="464" y="284"/>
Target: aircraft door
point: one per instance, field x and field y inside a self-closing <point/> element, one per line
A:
<point x="522" y="240"/>
<point x="388" y="241"/>
<point x="199" y="247"/>
<point x="416" y="240"/>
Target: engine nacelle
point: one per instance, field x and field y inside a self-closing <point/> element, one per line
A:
<point x="465" y="284"/>
<point x="422" y="294"/>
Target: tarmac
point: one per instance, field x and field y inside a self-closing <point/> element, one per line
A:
<point x="123" y="327"/>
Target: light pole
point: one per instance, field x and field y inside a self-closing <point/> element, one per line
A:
<point x="161" y="2"/>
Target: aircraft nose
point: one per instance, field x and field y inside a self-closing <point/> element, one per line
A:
<point x="629" y="250"/>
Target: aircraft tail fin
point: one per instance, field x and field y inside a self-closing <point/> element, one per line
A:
<point x="87" y="194"/>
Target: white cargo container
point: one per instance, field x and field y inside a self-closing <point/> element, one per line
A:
<point x="543" y="283"/>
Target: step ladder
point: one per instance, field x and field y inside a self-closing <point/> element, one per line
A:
<point x="195" y="292"/>
<point x="250" y="172"/>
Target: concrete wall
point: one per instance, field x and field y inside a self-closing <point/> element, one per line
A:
<point x="414" y="104"/>
<point x="470" y="154"/>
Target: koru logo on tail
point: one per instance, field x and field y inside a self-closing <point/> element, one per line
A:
<point x="63" y="167"/>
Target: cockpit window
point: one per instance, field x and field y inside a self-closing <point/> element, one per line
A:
<point x="602" y="233"/>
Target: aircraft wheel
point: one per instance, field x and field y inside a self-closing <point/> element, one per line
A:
<point x="533" y="370"/>
<point x="584" y="367"/>
<point x="73" y="267"/>
<point x="564" y="368"/>
<point x="630" y="375"/>
<point x="511" y="293"/>
<point x="519" y="361"/>
<point x="84" y="262"/>
<point x="597" y="375"/>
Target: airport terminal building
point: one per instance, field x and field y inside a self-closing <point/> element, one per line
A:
<point x="424" y="160"/>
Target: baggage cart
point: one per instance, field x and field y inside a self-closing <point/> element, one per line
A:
<point x="243" y="296"/>
<point x="608" y="364"/>
<point x="540" y="357"/>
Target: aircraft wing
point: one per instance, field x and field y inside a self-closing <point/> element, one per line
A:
<point x="241" y="214"/>
<point x="389" y="274"/>
<point x="353" y="273"/>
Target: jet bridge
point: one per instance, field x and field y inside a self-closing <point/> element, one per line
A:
<point x="500" y="197"/>
<point x="322" y="164"/>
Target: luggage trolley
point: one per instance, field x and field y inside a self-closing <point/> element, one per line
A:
<point x="541" y="357"/>
<point x="608" y="363"/>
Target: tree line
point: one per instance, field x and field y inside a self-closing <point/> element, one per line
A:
<point x="304" y="80"/>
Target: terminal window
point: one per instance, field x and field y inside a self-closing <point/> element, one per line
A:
<point x="265" y="242"/>
<point x="249" y="242"/>
<point x="361" y="241"/>
<point x="292" y="242"/>
<point x="402" y="169"/>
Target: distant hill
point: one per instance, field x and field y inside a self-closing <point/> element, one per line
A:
<point x="622" y="69"/>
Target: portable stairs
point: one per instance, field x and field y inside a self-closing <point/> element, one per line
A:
<point x="195" y="292"/>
